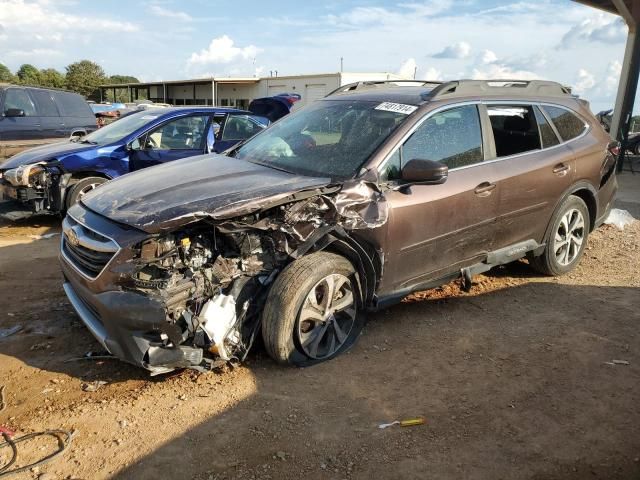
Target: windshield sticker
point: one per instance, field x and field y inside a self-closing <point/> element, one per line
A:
<point x="397" y="107"/>
<point x="149" y="117"/>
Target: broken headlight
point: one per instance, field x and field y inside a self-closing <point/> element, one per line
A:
<point x="27" y="176"/>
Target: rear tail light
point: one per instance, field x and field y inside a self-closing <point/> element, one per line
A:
<point x="614" y="148"/>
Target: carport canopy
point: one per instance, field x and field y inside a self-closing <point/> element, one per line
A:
<point x="629" y="10"/>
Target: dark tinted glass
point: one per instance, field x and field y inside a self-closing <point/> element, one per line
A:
<point x="514" y="129"/>
<point x="240" y="127"/>
<point x="44" y="101"/>
<point x="569" y="126"/>
<point x="452" y="137"/>
<point x="549" y="138"/>
<point x="18" y="98"/>
<point x="72" y="105"/>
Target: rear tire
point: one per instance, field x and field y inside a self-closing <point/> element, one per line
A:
<point x="566" y="240"/>
<point x="81" y="187"/>
<point x="312" y="312"/>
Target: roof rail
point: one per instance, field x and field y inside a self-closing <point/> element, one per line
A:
<point x="500" y="86"/>
<point x="350" y="87"/>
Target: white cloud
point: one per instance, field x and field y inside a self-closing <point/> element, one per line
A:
<point x="613" y="76"/>
<point x="408" y="69"/>
<point x="488" y="56"/>
<point x="585" y="81"/>
<point x="44" y="18"/>
<point x="222" y="50"/>
<point x="36" y="52"/>
<point x="457" y="50"/>
<point x="159" y="11"/>
<point x="432" y="74"/>
<point x="599" y="28"/>
<point x="502" y="71"/>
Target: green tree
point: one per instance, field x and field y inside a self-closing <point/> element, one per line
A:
<point x="5" y="75"/>
<point x="122" y="95"/>
<point x="50" y="77"/>
<point x="28" y="75"/>
<point x="84" y="77"/>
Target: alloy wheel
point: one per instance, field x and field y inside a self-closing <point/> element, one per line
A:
<point x="327" y="316"/>
<point x="569" y="237"/>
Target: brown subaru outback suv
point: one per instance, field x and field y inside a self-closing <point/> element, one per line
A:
<point x="346" y="206"/>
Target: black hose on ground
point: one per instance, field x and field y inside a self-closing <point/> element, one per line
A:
<point x="64" y="441"/>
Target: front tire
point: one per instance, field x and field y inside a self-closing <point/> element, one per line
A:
<point x="81" y="187"/>
<point x="566" y="240"/>
<point x="312" y="312"/>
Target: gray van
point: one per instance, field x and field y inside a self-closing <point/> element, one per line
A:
<point x="31" y="113"/>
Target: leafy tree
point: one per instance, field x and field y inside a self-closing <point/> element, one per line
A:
<point x="122" y="95"/>
<point x="50" y="77"/>
<point x="84" y="77"/>
<point x="122" y="79"/>
<point x="5" y="75"/>
<point x="28" y="75"/>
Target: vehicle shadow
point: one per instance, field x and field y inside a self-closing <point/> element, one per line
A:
<point x="514" y="384"/>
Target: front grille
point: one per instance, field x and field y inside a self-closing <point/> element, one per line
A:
<point x="87" y="250"/>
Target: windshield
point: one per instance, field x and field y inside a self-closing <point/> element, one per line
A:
<point x="120" y="128"/>
<point x="329" y="138"/>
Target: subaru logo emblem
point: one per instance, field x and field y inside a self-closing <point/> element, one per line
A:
<point x="72" y="237"/>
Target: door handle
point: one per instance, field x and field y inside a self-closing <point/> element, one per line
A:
<point x="484" y="189"/>
<point x="561" y="169"/>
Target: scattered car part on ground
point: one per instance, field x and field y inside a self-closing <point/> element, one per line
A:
<point x="50" y="178"/>
<point x="345" y="206"/>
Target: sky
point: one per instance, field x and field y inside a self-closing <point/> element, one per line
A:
<point x="435" y="39"/>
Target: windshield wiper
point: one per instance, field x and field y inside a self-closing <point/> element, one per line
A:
<point x="88" y="141"/>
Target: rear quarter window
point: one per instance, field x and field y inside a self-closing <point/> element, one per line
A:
<point x="45" y="103"/>
<point x="72" y="105"/>
<point x="568" y="124"/>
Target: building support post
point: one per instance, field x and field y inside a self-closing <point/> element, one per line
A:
<point x="625" y="98"/>
<point x="164" y="92"/>
<point x="213" y="92"/>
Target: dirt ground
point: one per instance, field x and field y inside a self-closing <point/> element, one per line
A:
<point x="515" y="379"/>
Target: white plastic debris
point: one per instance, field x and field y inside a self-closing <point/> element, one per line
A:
<point x="619" y="218"/>
<point x="218" y="317"/>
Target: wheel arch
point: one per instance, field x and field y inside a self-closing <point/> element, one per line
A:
<point x="587" y="193"/>
<point x="364" y="258"/>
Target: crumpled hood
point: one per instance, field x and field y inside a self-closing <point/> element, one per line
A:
<point x="45" y="153"/>
<point x="167" y="196"/>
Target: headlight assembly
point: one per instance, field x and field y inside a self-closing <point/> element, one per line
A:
<point x="27" y="175"/>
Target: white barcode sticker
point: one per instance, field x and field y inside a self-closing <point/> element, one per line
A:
<point x="397" y="107"/>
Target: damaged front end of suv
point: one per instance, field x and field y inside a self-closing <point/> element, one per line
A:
<point x="191" y="295"/>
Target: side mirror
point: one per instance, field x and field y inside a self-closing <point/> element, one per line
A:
<point x="14" y="112"/>
<point x="421" y="171"/>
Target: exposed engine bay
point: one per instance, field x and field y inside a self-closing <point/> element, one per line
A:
<point x="212" y="275"/>
<point x="37" y="185"/>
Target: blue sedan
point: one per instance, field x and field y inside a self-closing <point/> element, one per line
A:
<point x="51" y="178"/>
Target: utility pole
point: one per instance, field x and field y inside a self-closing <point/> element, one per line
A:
<point x="341" y="64"/>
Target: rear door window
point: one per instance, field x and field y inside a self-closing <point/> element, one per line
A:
<point x="45" y="103"/>
<point x="547" y="135"/>
<point x="569" y="126"/>
<point x="72" y="105"/>
<point x="19" y="99"/>
<point x="515" y="129"/>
